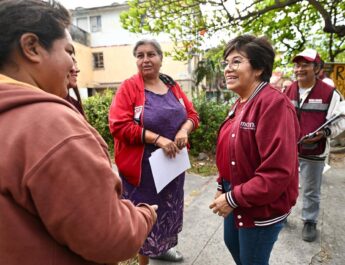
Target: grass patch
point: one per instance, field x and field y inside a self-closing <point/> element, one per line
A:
<point x="133" y="261"/>
<point x="205" y="167"/>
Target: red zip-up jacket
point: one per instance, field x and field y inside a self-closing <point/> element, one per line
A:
<point x="126" y="123"/>
<point x="263" y="160"/>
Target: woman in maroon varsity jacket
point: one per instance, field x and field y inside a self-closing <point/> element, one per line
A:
<point x="256" y="154"/>
<point x="150" y="111"/>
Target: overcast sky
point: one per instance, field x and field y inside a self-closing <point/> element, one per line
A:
<point x="71" y="4"/>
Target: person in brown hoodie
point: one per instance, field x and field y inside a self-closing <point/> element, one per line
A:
<point x="60" y="201"/>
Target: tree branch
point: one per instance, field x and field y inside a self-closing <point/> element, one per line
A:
<point x="327" y="18"/>
<point x="277" y="5"/>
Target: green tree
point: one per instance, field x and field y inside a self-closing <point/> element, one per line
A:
<point x="291" y="25"/>
<point x="209" y="68"/>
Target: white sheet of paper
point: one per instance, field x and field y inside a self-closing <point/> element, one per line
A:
<point x="326" y="168"/>
<point x="165" y="169"/>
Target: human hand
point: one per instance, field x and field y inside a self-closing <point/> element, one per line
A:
<point x="168" y="146"/>
<point x="181" y="138"/>
<point x="155" y="207"/>
<point x="220" y="206"/>
<point x="218" y="193"/>
<point x="318" y="136"/>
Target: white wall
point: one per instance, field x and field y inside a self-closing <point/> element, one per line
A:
<point x="112" y="32"/>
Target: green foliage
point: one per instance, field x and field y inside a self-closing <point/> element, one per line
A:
<point x="205" y="68"/>
<point x="211" y="114"/>
<point x="290" y="25"/>
<point x="96" y="109"/>
<point x="177" y="18"/>
<point x="210" y="69"/>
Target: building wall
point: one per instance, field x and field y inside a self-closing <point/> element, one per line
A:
<point x="120" y="64"/>
<point x="112" y="32"/>
<point x="117" y="44"/>
<point x="110" y="25"/>
<point x="84" y="60"/>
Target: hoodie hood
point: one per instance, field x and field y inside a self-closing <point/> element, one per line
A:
<point x="15" y="96"/>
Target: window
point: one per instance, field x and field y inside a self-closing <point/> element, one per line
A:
<point x="96" y="23"/>
<point x="82" y="23"/>
<point x="98" y="60"/>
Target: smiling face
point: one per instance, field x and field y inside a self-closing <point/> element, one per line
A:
<point x="73" y="77"/>
<point x="149" y="61"/>
<point x="305" y="72"/>
<point x="240" y="77"/>
<point x="56" y="65"/>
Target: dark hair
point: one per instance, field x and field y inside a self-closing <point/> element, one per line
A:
<point x="17" y="17"/>
<point x="152" y="42"/>
<point x="76" y="102"/>
<point x="257" y="49"/>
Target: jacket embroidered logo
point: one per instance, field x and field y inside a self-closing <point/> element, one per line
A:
<point x="137" y="113"/>
<point x="247" y="125"/>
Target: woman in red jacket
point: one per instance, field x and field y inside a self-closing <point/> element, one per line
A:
<point x="256" y="154"/>
<point x="150" y="111"/>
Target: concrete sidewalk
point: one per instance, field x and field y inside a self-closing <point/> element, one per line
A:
<point x="201" y="240"/>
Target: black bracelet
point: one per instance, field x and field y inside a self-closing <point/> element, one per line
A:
<point x="155" y="142"/>
<point x="144" y="135"/>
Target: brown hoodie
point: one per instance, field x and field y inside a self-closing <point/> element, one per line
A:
<point x="59" y="197"/>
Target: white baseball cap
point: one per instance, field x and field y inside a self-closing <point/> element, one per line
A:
<point x="308" y="54"/>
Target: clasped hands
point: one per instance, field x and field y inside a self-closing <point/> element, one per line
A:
<point x="171" y="148"/>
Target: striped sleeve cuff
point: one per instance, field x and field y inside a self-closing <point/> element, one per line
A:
<point x="230" y="200"/>
<point x="220" y="187"/>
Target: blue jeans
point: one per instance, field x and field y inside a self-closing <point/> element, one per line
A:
<point x="250" y="246"/>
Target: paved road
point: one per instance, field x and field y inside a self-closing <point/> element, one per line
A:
<point x="201" y="239"/>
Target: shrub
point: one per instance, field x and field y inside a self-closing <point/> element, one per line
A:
<point x="96" y="109"/>
<point x="211" y="114"/>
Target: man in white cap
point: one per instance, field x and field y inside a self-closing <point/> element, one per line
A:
<point x="315" y="102"/>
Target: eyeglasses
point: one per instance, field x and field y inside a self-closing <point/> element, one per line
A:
<point x="302" y="65"/>
<point x="234" y="65"/>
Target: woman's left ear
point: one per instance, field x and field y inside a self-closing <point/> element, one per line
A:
<point x="30" y="46"/>
<point x="258" y="73"/>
